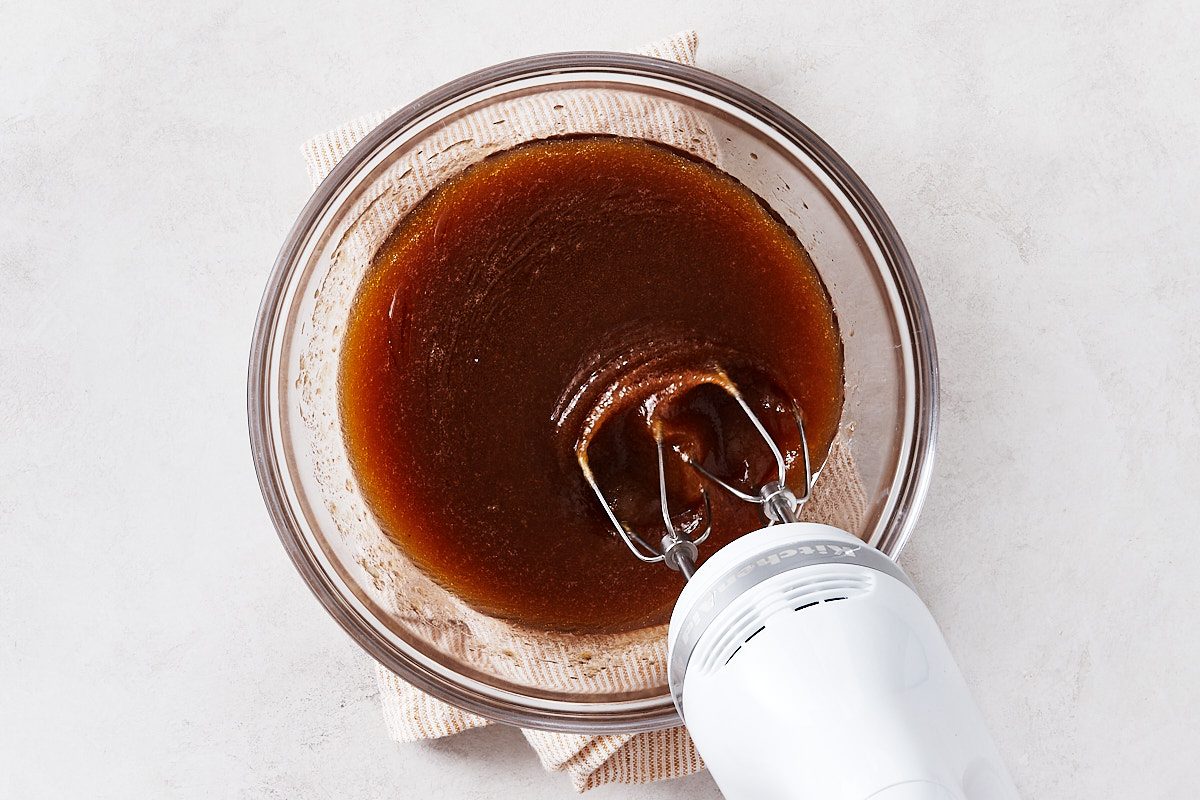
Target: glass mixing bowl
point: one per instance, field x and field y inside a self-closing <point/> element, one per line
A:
<point x="405" y="621"/>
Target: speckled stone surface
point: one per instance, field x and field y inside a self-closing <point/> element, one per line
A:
<point x="1038" y="158"/>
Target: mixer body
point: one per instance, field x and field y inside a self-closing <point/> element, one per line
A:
<point x="805" y="666"/>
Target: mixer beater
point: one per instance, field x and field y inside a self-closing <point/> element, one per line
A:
<point x="678" y="548"/>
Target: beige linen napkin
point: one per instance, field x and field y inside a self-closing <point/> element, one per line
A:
<point x="412" y="715"/>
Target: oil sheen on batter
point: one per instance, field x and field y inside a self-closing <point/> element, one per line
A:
<point x="550" y="296"/>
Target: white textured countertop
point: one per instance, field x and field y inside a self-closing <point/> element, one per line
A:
<point x="1039" y="159"/>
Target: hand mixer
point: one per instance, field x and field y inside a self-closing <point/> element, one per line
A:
<point x="802" y="660"/>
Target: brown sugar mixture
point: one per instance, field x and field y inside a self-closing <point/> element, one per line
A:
<point x="567" y="294"/>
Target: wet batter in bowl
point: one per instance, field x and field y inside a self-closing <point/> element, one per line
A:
<point x="500" y="320"/>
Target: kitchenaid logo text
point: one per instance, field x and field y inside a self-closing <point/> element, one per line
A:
<point x="777" y="558"/>
<point x="803" y="550"/>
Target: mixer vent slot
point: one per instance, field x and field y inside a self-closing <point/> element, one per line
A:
<point x="811" y="588"/>
<point x="748" y="638"/>
<point x="810" y="605"/>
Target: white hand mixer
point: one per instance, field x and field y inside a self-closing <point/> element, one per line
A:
<point x="805" y="665"/>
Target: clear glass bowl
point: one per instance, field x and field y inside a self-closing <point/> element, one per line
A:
<point x="414" y="627"/>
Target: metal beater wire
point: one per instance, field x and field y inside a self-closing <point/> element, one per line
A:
<point x="678" y="550"/>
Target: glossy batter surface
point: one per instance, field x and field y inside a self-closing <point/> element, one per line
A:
<point x="565" y="294"/>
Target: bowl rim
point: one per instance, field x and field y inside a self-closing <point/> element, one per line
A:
<point x="916" y="472"/>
